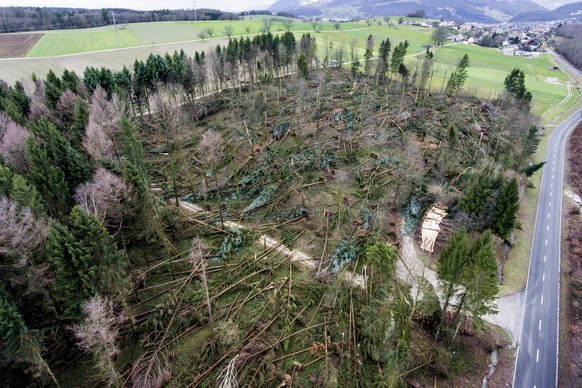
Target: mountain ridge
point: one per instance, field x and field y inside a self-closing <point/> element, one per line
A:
<point x="489" y="11"/>
<point x="572" y="11"/>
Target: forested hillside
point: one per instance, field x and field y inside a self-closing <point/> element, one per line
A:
<point x="236" y="216"/>
<point x="570" y="47"/>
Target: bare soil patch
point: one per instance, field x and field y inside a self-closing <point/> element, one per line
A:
<point x="17" y="45"/>
<point x="571" y="343"/>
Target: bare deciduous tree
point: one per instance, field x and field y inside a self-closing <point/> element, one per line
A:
<point x="21" y="233"/>
<point x="13" y="144"/>
<point x="198" y="264"/>
<point x="228" y="30"/>
<point x="105" y="197"/>
<point x="22" y="236"/>
<point x="104" y="118"/>
<point x="65" y="108"/>
<point x="97" y="142"/>
<point x="98" y="333"/>
<point x="210" y="149"/>
<point x="105" y="112"/>
<point x="38" y="107"/>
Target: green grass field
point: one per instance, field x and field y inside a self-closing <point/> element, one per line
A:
<point x="486" y="74"/>
<point x="489" y="67"/>
<point x="79" y="41"/>
<point x="139" y="34"/>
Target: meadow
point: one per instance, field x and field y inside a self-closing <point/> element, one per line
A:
<point x="76" y="49"/>
<point x="141" y="34"/>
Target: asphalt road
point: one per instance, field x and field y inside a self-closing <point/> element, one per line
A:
<point x="537" y="355"/>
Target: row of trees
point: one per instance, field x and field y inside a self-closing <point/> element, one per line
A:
<point x="16" y="19"/>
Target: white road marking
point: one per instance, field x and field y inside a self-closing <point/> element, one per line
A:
<point x="547" y="228"/>
<point x="538" y="356"/>
<point x="544" y="277"/>
<point x="552" y="176"/>
<point x="546" y="242"/>
<point x="542" y="300"/>
<point x="550" y="194"/>
<point x="544" y="258"/>
<point x="552" y="185"/>
<point x="540" y="325"/>
<point x="550" y="203"/>
<point x="548" y="215"/>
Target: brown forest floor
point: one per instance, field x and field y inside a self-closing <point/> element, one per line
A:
<point x="571" y="332"/>
<point x="17" y="45"/>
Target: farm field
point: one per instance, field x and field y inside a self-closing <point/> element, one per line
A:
<point x="77" y="49"/>
<point x="18" y="44"/>
<point x="138" y="34"/>
<point x="489" y="68"/>
<point x="77" y="41"/>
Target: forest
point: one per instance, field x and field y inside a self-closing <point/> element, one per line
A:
<point x="17" y="19"/>
<point x="570" y="47"/>
<point x="235" y="218"/>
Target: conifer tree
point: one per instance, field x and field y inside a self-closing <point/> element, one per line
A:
<point x="5" y="180"/>
<point x="451" y="266"/>
<point x="506" y="208"/>
<point x="87" y="262"/>
<point x="19" y="343"/>
<point x="383" y="60"/>
<point x="458" y="77"/>
<point x="368" y="54"/>
<point x="62" y="156"/>
<point x="515" y="86"/>
<point x="302" y="66"/>
<point x="480" y="281"/>
<point x="478" y="195"/>
<point x="26" y="195"/>
<point x="48" y="179"/>
<point x="80" y="120"/>
<point x="398" y="55"/>
<point x="530" y="141"/>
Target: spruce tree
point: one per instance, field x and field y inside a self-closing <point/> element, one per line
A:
<point x="506" y="208"/>
<point x="87" y="262"/>
<point x="398" y="56"/>
<point x="458" y="77"/>
<point x="515" y="85"/>
<point x="529" y="142"/>
<point x="58" y="150"/>
<point x="477" y="196"/>
<point x="302" y="66"/>
<point x="5" y="180"/>
<point x="480" y="281"/>
<point x="80" y="120"/>
<point x="368" y="54"/>
<point x="451" y="266"/>
<point x="26" y="195"/>
<point x="49" y="180"/>
<point x="383" y="60"/>
<point x="19" y="343"/>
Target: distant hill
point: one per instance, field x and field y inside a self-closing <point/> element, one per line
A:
<point x="466" y="10"/>
<point x="571" y="11"/>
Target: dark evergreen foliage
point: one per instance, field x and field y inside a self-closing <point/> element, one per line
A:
<point x="506" y="208"/>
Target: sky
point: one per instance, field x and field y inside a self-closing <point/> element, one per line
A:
<point x="230" y="5"/>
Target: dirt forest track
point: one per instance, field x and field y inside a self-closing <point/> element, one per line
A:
<point x="17" y="45"/>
